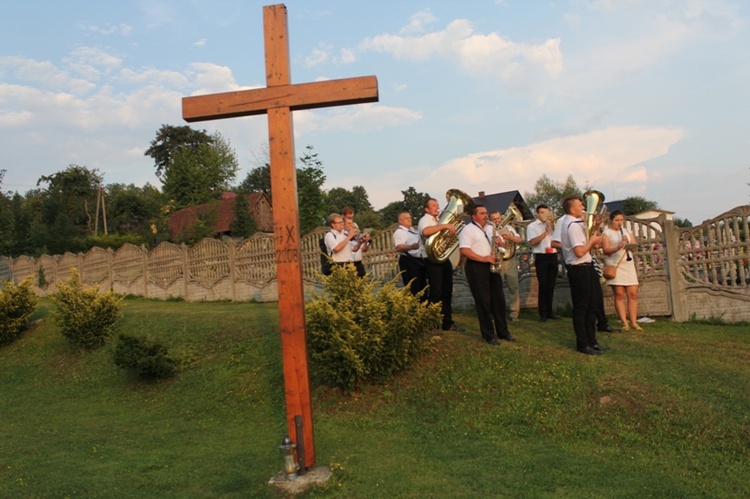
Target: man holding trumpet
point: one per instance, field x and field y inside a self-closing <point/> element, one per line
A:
<point x="539" y="236"/>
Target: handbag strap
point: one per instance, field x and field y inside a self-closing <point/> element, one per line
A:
<point x="620" y="260"/>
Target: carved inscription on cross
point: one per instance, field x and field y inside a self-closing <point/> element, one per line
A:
<point x="278" y="100"/>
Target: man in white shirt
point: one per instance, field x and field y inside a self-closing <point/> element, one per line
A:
<point x="337" y="242"/>
<point x="439" y="275"/>
<point x="411" y="257"/>
<point x="360" y="243"/>
<point x="510" y="267"/>
<point x="576" y="249"/>
<point x="539" y="236"/>
<point x="486" y="286"/>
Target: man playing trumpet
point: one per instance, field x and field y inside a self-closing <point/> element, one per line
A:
<point x="539" y="236"/>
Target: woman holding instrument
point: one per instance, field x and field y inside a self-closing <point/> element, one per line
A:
<point x="617" y="244"/>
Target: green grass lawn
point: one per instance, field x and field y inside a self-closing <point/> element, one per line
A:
<point x="665" y="413"/>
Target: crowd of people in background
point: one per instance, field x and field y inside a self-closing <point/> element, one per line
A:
<point x="481" y="245"/>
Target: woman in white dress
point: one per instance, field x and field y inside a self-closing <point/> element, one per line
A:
<point x="625" y="283"/>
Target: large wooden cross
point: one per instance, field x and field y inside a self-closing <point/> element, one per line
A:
<point x="278" y="100"/>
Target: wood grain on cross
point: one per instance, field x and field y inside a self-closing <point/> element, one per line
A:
<point x="278" y="100"/>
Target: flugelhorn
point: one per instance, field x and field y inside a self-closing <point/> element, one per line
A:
<point x="512" y="214"/>
<point x="440" y="245"/>
<point x="595" y="211"/>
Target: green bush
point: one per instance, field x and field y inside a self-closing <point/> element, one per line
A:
<point x="86" y="318"/>
<point x="361" y="330"/>
<point x="147" y="358"/>
<point x="17" y="303"/>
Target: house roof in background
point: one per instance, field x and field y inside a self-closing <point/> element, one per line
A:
<point x="501" y="200"/>
<point x="223" y="210"/>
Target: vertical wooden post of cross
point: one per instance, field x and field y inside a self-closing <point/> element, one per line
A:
<point x="278" y="100"/>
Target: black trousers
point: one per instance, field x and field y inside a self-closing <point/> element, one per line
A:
<point x="583" y="283"/>
<point x="440" y="281"/>
<point x="546" y="274"/>
<point x="487" y="289"/>
<point x="413" y="273"/>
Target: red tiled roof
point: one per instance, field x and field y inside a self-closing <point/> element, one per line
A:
<point x="223" y="208"/>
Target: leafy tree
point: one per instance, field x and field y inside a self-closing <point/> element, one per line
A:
<point x="310" y="195"/>
<point x="244" y="223"/>
<point x="370" y="219"/>
<point x="199" y="175"/>
<point x="637" y="204"/>
<point x="682" y="222"/>
<point x="73" y="192"/>
<point x="357" y="199"/>
<point x="257" y="180"/>
<point x="310" y="180"/>
<point x="7" y="223"/>
<point x="132" y="209"/>
<point x="170" y="139"/>
<point x="551" y="193"/>
<point x="22" y="219"/>
<point x="413" y="202"/>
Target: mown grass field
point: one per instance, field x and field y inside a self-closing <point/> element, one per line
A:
<point x="665" y="413"/>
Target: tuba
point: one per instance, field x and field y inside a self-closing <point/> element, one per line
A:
<point x="511" y="214"/>
<point x="595" y="211"/>
<point x="440" y="245"/>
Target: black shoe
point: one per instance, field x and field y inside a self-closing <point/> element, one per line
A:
<point x="553" y="318"/>
<point x="589" y="351"/>
<point x="493" y="341"/>
<point x="508" y="338"/>
<point x="600" y="348"/>
<point x="607" y="329"/>
<point x="542" y="319"/>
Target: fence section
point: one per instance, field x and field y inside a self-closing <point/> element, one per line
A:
<point x="699" y="272"/>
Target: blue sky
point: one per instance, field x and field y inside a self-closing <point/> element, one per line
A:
<point x="636" y="98"/>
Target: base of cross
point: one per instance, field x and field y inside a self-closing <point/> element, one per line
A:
<point x="316" y="476"/>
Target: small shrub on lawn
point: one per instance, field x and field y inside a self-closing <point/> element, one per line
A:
<point x="147" y="358"/>
<point x="361" y="330"/>
<point x="17" y="303"/>
<point x="86" y="317"/>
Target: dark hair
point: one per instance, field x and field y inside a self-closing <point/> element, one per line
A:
<point x="427" y="202"/>
<point x="540" y="206"/>
<point x="347" y="210"/>
<point x="613" y="214"/>
<point x="476" y="208"/>
<point x="569" y="201"/>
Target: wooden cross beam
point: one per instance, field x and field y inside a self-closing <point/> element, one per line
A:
<point x="278" y="100"/>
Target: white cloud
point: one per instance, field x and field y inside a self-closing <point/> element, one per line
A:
<point x="418" y="22"/>
<point x="480" y="54"/>
<point x="362" y="118"/>
<point x="200" y="43"/>
<point x="211" y="78"/>
<point x="609" y="157"/>
<point x="348" y="56"/>
<point x="110" y="29"/>
<point x="317" y="56"/>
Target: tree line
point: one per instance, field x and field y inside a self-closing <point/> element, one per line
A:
<point x="66" y="210"/>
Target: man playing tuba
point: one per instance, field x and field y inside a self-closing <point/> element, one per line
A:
<point x="439" y="275"/>
<point x="509" y="266"/>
